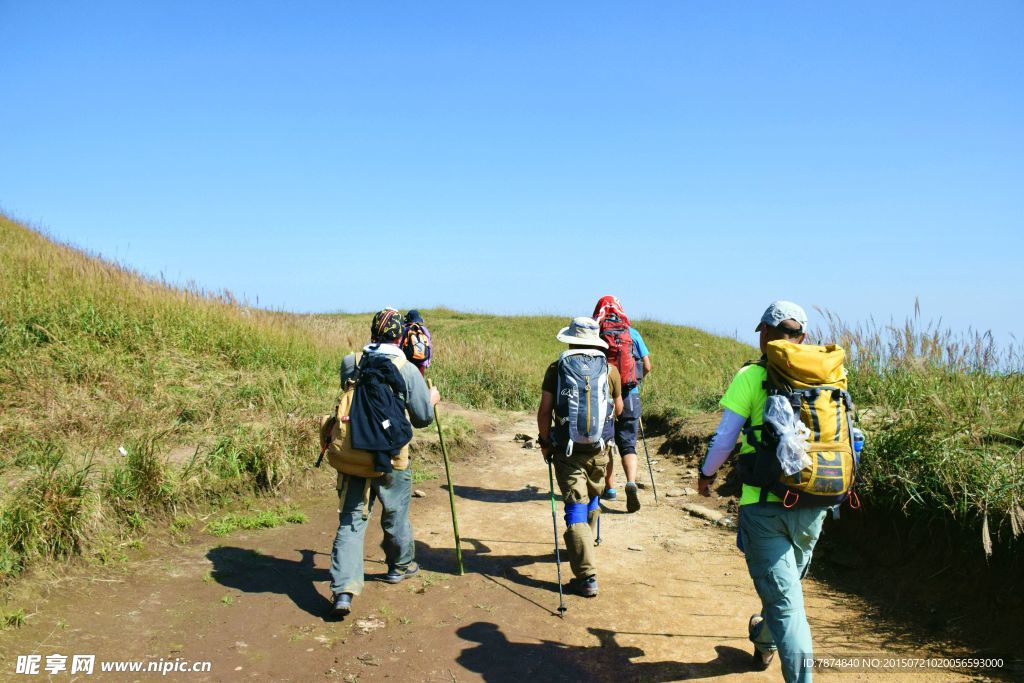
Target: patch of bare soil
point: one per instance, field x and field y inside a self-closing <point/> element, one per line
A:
<point x="674" y="607"/>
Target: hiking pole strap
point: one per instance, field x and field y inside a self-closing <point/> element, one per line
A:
<point x="451" y="488"/>
<point x="650" y="470"/>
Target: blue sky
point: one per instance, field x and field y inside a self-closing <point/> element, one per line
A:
<point x="698" y="159"/>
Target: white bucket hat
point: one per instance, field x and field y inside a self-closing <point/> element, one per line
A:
<point x="582" y="331"/>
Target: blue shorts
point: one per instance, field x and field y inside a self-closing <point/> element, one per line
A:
<point x="627" y="423"/>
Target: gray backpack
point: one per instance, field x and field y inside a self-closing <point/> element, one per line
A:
<point x="584" y="412"/>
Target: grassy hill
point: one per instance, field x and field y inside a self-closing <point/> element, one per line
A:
<point x="489" y="361"/>
<point x="121" y="397"/>
<point x="126" y="402"/>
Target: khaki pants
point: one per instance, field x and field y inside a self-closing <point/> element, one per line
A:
<point x="581" y="481"/>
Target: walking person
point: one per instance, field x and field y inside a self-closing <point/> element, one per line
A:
<point x="390" y="481"/>
<point x="580" y="396"/>
<point x="778" y="534"/>
<point x="416" y="341"/>
<point x="633" y="362"/>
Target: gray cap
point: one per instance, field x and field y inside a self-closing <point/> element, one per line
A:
<point x="583" y="331"/>
<point x="782" y="310"/>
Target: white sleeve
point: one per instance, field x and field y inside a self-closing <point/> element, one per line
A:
<point x="722" y="442"/>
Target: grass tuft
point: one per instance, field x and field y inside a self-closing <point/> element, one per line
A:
<point x="12" y="619"/>
<point x="258" y="519"/>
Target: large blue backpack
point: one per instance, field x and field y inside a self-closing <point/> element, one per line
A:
<point x="584" y="412"/>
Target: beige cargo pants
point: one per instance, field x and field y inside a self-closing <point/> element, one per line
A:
<point x="581" y="480"/>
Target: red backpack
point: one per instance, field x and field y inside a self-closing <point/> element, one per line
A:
<point x="615" y="331"/>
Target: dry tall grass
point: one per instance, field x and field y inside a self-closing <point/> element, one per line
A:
<point x="945" y="417"/>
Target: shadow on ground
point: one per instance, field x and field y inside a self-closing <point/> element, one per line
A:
<point x="478" y="559"/>
<point x="250" y="571"/>
<point x="497" y="659"/>
<point x="477" y="493"/>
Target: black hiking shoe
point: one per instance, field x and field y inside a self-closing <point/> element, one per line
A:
<point x="761" y="659"/>
<point x="342" y="604"/>
<point x="398" y="575"/>
<point x="632" y="499"/>
<point x="586" y="587"/>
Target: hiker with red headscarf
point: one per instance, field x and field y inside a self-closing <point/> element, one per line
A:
<point x="628" y="353"/>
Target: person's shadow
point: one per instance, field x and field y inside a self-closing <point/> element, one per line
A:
<point x="523" y="495"/>
<point x="499" y="660"/>
<point x="253" y="572"/>
<point x="478" y="558"/>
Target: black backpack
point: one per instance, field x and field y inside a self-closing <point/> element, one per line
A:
<point x="377" y="418"/>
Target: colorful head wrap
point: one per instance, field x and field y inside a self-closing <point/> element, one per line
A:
<point x="386" y="326"/>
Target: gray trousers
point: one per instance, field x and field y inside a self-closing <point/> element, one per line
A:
<point x="393" y="492"/>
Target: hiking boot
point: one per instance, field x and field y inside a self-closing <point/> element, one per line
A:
<point x="610" y="494"/>
<point x="632" y="499"/>
<point x="398" y="575"/>
<point x="342" y="604"/>
<point x="761" y="659"/>
<point x="586" y="587"/>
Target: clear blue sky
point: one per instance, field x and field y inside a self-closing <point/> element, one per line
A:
<point x="698" y="159"/>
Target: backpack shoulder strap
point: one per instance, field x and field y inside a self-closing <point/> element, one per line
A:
<point x="356" y="360"/>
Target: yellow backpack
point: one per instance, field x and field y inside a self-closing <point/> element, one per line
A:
<point x="813" y="380"/>
<point x="336" y="438"/>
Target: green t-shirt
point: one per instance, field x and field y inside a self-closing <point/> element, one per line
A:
<point x="746" y="396"/>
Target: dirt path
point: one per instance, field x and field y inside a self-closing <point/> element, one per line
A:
<point x="253" y="603"/>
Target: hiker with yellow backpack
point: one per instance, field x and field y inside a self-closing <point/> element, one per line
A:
<point x="367" y="440"/>
<point x="798" y="459"/>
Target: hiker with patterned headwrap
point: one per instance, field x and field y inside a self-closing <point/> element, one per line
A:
<point x="393" y="489"/>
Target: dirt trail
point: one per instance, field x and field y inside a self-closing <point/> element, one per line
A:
<point x="253" y="603"/>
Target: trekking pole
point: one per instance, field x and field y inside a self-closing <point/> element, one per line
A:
<point x="451" y="488"/>
<point x="647" y="453"/>
<point x="554" y="526"/>
<point x="597" y="541"/>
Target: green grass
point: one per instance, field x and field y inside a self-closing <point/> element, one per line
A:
<point x="944" y="415"/>
<point x="498" y="362"/>
<point x="95" y="358"/>
<point x="420" y="474"/>
<point x="104" y="374"/>
<point x="10" y="619"/>
<point x="459" y="438"/>
<point x="257" y="519"/>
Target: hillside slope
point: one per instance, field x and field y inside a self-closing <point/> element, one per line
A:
<point x="123" y="398"/>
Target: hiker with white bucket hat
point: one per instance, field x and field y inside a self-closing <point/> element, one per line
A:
<point x="580" y="397"/>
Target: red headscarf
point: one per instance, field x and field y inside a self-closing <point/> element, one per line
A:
<point x="609" y="304"/>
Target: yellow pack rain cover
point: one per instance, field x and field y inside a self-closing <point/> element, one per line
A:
<point x="802" y="366"/>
